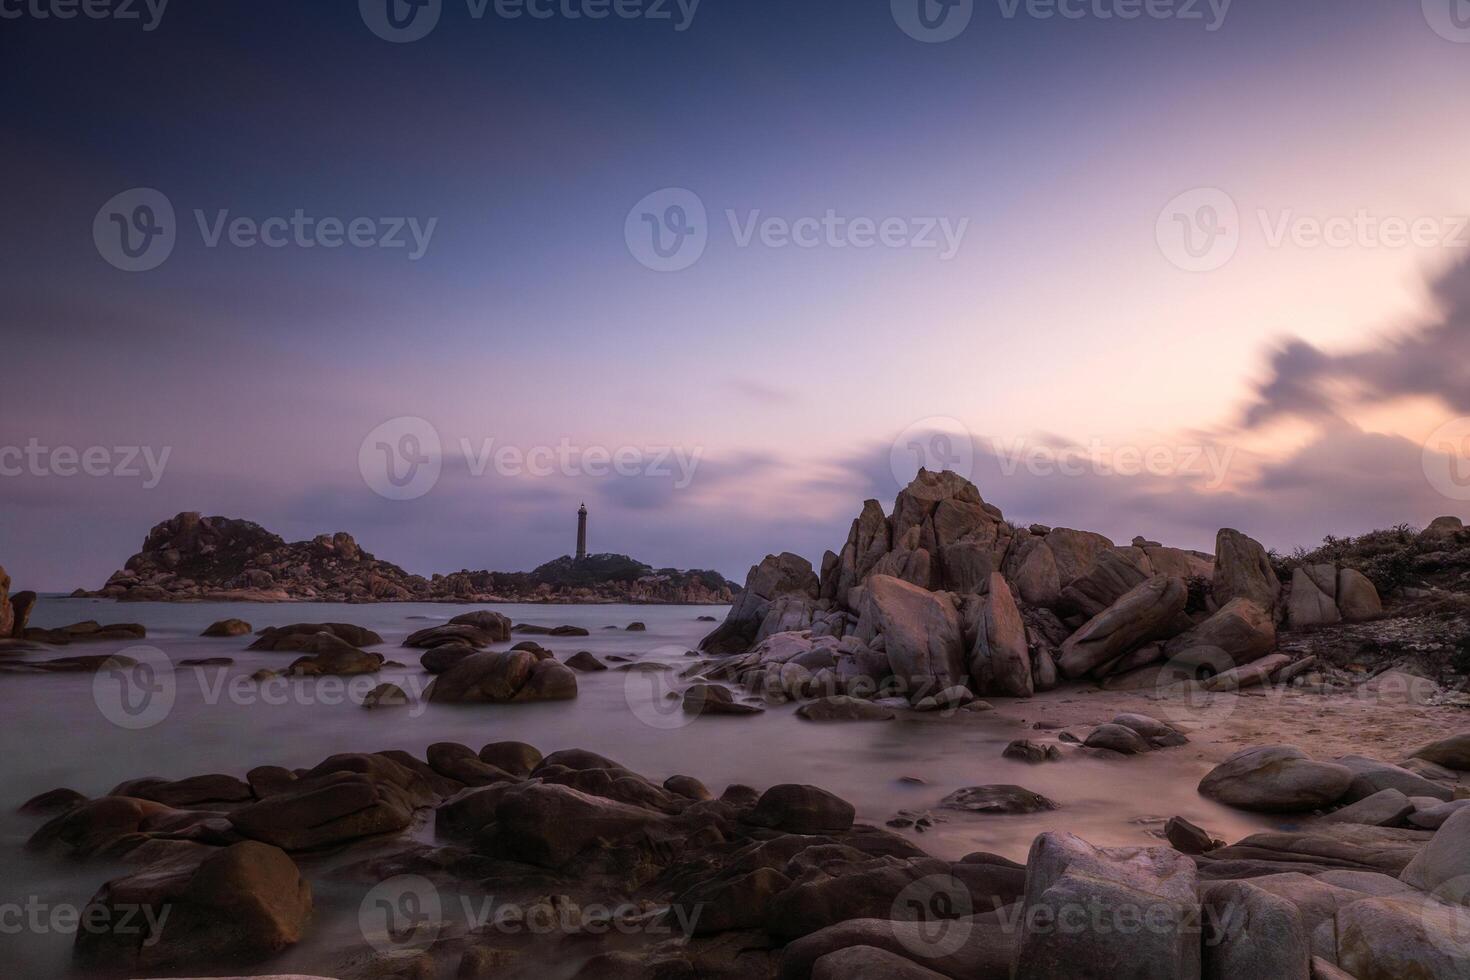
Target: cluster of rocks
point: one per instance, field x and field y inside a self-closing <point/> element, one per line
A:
<point x="1420" y="791"/>
<point x="17" y="635"/>
<point x="783" y="883"/>
<point x="944" y="596"/>
<point x="192" y="557"/>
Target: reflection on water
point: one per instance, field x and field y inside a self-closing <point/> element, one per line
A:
<point x="222" y="722"/>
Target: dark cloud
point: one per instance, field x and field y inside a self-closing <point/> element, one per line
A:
<point x="1428" y="360"/>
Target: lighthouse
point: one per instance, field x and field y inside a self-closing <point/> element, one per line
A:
<point x="582" y="532"/>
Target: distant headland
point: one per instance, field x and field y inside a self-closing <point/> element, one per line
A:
<point x="195" y="558"/>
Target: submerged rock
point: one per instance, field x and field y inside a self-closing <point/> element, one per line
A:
<point x="843" y="708"/>
<point x="228" y="627"/>
<point x="503" y="678"/>
<point x="999" y="798"/>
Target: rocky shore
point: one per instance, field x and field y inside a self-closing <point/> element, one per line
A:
<point x="195" y="558"/>
<point x="456" y="858"/>
<point x="1314" y="696"/>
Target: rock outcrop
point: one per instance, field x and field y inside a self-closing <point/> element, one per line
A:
<point x="193" y="557"/>
<point x="919" y="629"/>
<point x="1276" y="779"/>
<point x="779" y="584"/>
<point x="1147" y="612"/>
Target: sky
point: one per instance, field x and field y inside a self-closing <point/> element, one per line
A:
<point x="1154" y="275"/>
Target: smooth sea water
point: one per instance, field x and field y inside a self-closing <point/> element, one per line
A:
<point x="55" y="735"/>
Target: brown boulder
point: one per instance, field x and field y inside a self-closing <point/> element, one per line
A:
<point x="1147" y="612"/>
<point x="1243" y="571"/>
<point x="1242" y="628"/>
<point x="242" y="904"/>
<point x="228" y="627"/>
<point x="329" y="809"/>
<point x="800" y="809"/>
<point x="1000" y="661"/>
<point x="491" y="623"/>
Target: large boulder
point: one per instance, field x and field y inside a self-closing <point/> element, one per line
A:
<point x="1452" y="752"/>
<point x="1443" y="867"/>
<point x="1320" y="847"/>
<point x="549" y="825"/>
<point x="1276" y="779"/>
<point x="298" y="637"/>
<point x="1242" y="629"/>
<point x="1250" y="932"/>
<point x="1243" y="570"/>
<point x="21" y="606"/>
<point x="503" y="678"/>
<point x="1372" y="776"/>
<point x="493" y="624"/>
<point x="242" y="904"/>
<point x="921" y="632"/>
<point x="1357" y="596"/>
<point x="1145" y="613"/>
<point x="1000" y="661"/>
<point x="344" y="799"/>
<point x="1115" y="573"/>
<point x="1403" y="938"/>
<point x="1156" y="885"/>
<point x="843" y="890"/>
<point x="867" y="542"/>
<point x="1386" y="808"/>
<point x="798" y="809"/>
<point x="776" y="576"/>
<point x="227" y="627"/>
<point x="1313" y="599"/>
<point x="456" y="634"/>
<point x="109" y="824"/>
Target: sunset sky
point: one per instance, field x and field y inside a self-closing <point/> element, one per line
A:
<point x="1317" y="370"/>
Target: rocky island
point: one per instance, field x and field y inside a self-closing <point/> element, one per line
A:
<point x="195" y="558"/>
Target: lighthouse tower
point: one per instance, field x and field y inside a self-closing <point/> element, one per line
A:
<point x="582" y="532"/>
